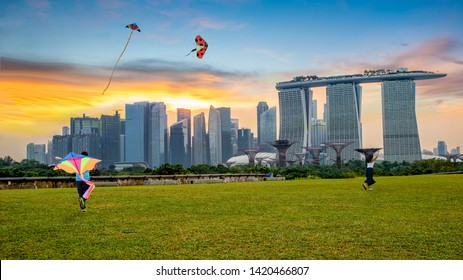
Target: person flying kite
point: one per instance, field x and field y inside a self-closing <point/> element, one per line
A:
<point x="80" y="164"/>
<point x="133" y="27"/>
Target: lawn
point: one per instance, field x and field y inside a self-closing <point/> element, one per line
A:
<point x="409" y="217"/>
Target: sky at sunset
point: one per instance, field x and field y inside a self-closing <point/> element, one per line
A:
<point x="56" y="58"/>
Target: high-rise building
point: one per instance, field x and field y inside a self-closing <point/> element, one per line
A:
<point x="158" y="136"/>
<point x="85" y="133"/>
<point x="186" y="114"/>
<point x="262" y="106"/>
<point x="343" y="103"/>
<point x="110" y="132"/>
<point x="400" y="129"/>
<point x="235" y="123"/>
<point x="225" y="119"/>
<point x="215" y="136"/>
<point x="136" y="132"/>
<point x="91" y="143"/>
<point x="179" y="142"/>
<point x="65" y="131"/>
<point x="62" y="145"/>
<point x="84" y="125"/>
<point x="268" y="133"/>
<point x="342" y="111"/>
<point x="314" y="114"/>
<point x="36" y="152"/>
<point x="245" y="139"/>
<point x="319" y="133"/>
<point x="200" y="142"/>
<point x="441" y="148"/>
<point x="295" y="107"/>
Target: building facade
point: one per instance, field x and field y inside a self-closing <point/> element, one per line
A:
<point x="400" y="129"/>
<point x="36" y="152"/>
<point x="342" y="111"/>
<point x="225" y="119"/>
<point x="295" y="118"/>
<point x="181" y="115"/>
<point x="158" y="147"/>
<point x="215" y="136"/>
<point x="268" y="132"/>
<point x="343" y="125"/>
<point x="179" y="143"/>
<point x="110" y="133"/>
<point x="200" y="141"/>
<point x="262" y="106"/>
<point x="136" y="132"/>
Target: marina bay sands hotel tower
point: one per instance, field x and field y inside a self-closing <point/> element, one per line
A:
<point x="343" y="99"/>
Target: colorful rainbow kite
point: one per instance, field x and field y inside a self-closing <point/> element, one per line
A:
<point x="78" y="164"/>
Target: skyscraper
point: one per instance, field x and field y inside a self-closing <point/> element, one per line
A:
<point x="158" y="135"/>
<point x="62" y="145"/>
<point x="225" y="119"/>
<point x="85" y="133"/>
<point x="343" y="103"/>
<point x="319" y="133"/>
<point x="36" y="152"/>
<point x="200" y="142"/>
<point x="245" y="139"/>
<point x="136" y="132"/>
<point x="178" y="142"/>
<point x="84" y="125"/>
<point x="262" y="106"/>
<point x="342" y="112"/>
<point x="295" y="106"/>
<point x="400" y="129"/>
<point x="441" y="148"/>
<point x="215" y="136"/>
<point x="110" y="131"/>
<point x="268" y="132"/>
<point x="186" y="114"/>
<point x="235" y="123"/>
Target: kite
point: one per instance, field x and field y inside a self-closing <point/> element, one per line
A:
<point x="133" y="27"/>
<point x="201" y="47"/>
<point x="79" y="164"/>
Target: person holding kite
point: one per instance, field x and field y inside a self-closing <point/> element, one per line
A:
<point x="81" y="164"/>
<point x="370" y="161"/>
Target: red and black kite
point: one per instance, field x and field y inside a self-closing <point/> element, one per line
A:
<point x="201" y="47"/>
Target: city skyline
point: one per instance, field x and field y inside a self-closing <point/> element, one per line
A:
<point x="53" y="67"/>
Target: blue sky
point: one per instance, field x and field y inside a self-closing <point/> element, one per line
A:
<point x="70" y="47"/>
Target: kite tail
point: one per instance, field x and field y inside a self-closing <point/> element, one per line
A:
<point x="89" y="190"/>
<point x="115" y="65"/>
<point x="91" y="185"/>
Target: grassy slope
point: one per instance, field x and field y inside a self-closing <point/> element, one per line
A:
<point x="419" y="217"/>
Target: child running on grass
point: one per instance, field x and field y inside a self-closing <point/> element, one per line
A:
<point x="82" y="187"/>
<point x="370" y="159"/>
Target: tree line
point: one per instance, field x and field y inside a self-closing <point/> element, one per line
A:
<point x="350" y="169"/>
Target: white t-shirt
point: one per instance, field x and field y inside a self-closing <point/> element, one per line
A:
<point x="370" y="164"/>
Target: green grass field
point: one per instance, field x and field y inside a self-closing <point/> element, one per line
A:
<point x="415" y="217"/>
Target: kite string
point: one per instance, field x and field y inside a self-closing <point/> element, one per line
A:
<point x="115" y="65"/>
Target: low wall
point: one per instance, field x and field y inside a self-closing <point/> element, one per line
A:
<point x="69" y="182"/>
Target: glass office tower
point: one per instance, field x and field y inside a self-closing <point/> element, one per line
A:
<point x="179" y="143"/>
<point x="200" y="142"/>
<point x="158" y="136"/>
<point x="344" y="126"/>
<point x="215" y="136"/>
<point x="268" y="129"/>
<point x="400" y="129"/>
<point x="136" y="132"/>
<point x="295" y="107"/>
